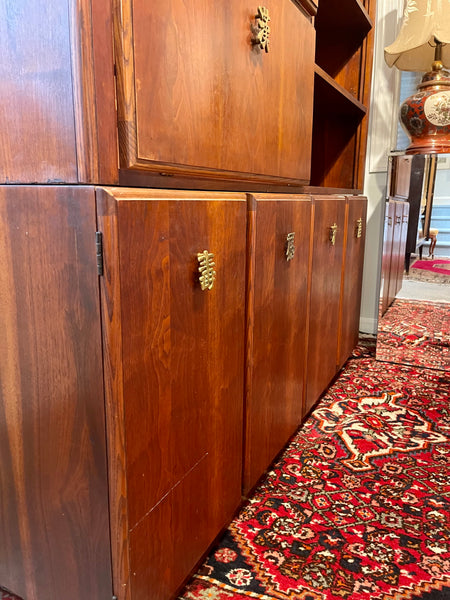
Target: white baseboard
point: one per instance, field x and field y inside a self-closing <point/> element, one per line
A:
<point x="368" y="325"/>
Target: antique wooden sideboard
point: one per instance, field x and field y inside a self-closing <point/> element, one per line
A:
<point x="181" y="246"/>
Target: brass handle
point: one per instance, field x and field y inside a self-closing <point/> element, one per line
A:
<point x="405" y="220"/>
<point x="206" y="269"/>
<point x="398" y="220"/>
<point x="358" y="229"/>
<point x="389" y="221"/>
<point x="290" y="245"/>
<point x="262" y="29"/>
<point x="333" y="230"/>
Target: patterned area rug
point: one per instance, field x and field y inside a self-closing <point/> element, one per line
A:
<point x="358" y="506"/>
<point x="416" y="333"/>
<point x="431" y="271"/>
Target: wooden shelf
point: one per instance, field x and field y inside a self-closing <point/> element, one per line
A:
<point x="333" y="98"/>
<point x="342" y="75"/>
<point x="341" y="28"/>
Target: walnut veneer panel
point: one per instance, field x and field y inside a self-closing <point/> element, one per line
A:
<point x="352" y="279"/>
<point x="276" y="327"/>
<point x="325" y="295"/>
<point x="53" y="494"/>
<point x="201" y="98"/>
<point x="57" y="99"/>
<point x="174" y="368"/>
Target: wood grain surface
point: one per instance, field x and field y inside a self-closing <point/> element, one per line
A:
<point x="53" y="493"/>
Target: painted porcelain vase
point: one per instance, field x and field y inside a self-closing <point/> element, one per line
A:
<point x="426" y="115"/>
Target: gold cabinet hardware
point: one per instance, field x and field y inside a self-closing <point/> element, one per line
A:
<point x="290" y="245"/>
<point x="389" y="221"/>
<point x="206" y="269"/>
<point x="359" y="226"/>
<point x="398" y="220"/>
<point x="333" y="230"/>
<point x="262" y="29"/>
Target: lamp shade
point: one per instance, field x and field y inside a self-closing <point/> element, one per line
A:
<point x="424" y="21"/>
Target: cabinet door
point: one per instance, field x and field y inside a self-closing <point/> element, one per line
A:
<point x="174" y="359"/>
<point x="327" y="260"/>
<point x="403" y="213"/>
<point x="397" y="259"/>
<point x="54" y="528"/>
<point x="388" y="241"/>
<point x="352" y="279"/>
<point x="276" y="326"/>
<point x="196" y="96"/>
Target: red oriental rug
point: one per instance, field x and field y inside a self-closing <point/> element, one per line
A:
<point x="357" y="507"/>
<point x="416" y="333"/>
<point x="438" y="265"/>
<point x="431" y="271"/>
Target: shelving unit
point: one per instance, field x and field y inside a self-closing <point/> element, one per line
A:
<point x="344" y="50"/>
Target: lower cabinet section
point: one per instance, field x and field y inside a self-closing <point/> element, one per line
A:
<point x="151" y="372"/>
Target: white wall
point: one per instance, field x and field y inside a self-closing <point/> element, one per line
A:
<point x="382" y="133"/>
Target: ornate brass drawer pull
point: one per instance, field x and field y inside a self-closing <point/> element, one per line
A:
<point x="359" y="228"/>
<point x="262" y="29"/>
<point x="206" y="269"/>
<point x="290" y="246"/>
<point x="333" y="230"/>
<point x="398" y="220"/>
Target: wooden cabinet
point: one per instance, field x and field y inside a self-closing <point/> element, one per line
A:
<point x="335" y="296"/>
<point x="344" y="48"/>
<point x="53" y="495"/>
<point x="351" y="285"/>
<point x="326" y="274"/>
<point x="174" y="94"/>
<point x="198" y="97"/>
<point x="279" y="230"/>
<point x="394" y="244"/>
<point x="174" y="360"/>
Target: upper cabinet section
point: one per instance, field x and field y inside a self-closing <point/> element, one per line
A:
<point x="344" y="49"/>
<point x="215" y="90"/>
<point x="187" y="94"/>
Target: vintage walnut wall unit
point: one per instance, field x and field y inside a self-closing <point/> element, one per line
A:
<point x="177" y="180"/>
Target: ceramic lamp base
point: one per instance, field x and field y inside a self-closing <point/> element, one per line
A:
<point x="425" y="116"/>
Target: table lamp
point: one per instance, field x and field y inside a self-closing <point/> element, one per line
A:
<point x="423" y="44"/>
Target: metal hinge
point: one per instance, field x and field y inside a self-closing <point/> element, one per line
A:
<point x="99" y="251"/>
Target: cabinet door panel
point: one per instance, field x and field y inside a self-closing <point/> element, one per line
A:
<point x="386" y="264"/>
<point x="352" y="281"/>
<point x="201" y="96"/>
<point x="54" y="527"/>
<point x="325" y="294"/>
<point x="276" y="327"/>
<point x="175" y="387"/>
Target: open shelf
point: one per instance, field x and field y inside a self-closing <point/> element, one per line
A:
<point x="342" y="76"/>
<point x="331" y="97"/>
<point x="341" y="28"/>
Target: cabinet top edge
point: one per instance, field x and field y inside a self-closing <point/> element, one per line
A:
<point x="120" y="193"/>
